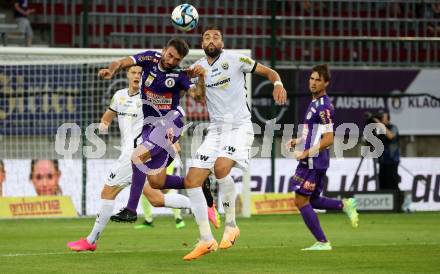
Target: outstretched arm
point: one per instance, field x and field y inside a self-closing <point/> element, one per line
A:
<point x="106" y="120"/>
<point x="198" y="91"/>
<point x="114" y="67"/>
<point x="279" y="93"/>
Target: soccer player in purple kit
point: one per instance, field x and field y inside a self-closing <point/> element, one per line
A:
<point x="314" y="158"/>
<point x="161" y="89"/>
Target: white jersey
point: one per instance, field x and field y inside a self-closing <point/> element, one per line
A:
<point x="226" y="87"/>
<point x="130" y="117"/>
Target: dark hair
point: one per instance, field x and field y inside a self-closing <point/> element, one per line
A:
<point x="212" y="28"/>
<point x="2" y="165"/>
<point x="323" y="72"/>
<point x="180" y="45"/>
<point x="34" y="162"/>
<point x="381" y="113"/>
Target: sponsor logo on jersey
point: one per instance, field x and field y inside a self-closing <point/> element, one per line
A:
<point x="161" y="101"/>
<point x="148" y="58"/>
<point x="145" y="58"/>
<point x="225" y="65"/>
<point x="216" y="74"/>
<point x="246" y="60"/>
<point x="322" y="115"/>
<point x="219" y="83"/>
<point x="169" y="82"/>
<point x="112" y="175"/>
<point x="203" y="157"/>
<point x="229" y="149"/>
<point x="127" y="114"/>
<point x="149" y="80"/>
<point x="172" y="75"/>
<point x="310" y="186"/>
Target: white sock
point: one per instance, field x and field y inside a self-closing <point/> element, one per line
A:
<point x="200" y="211"/>
<point x="228" y="194"/>
<point x="102" y="219"/>
<point x="175" y="200"/>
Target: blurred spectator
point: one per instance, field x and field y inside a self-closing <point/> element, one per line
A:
<point x="21" y="13"/>
<point x="389" y="178"/>
<point x="396" y="9"/>
<point x="45" y="176"/>
<point x="433" y="12"/>
<point x="2" y="176"/>
<point x="310" y="7"/>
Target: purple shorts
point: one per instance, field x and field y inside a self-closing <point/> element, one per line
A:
<point x="160" y="158"/>
<point x="309" y="182"/>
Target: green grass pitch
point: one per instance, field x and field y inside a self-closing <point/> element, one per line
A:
<point x="383" y="243"/>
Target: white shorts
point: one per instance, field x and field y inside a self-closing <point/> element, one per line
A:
<point x="120" y="173"/>
<point x="233" y="143"/>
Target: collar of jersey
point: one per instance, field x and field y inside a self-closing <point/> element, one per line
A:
<point x="159" y="66"/>
<point x="319" y="97"/>
<point x="218" y="57"/>
<point x="128" y="92"/>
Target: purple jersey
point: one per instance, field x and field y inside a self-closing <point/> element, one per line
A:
<point x="159" y="87"/>
<point x="318" y="120"/>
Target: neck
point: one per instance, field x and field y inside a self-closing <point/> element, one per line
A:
<point x="212" y="59"/>
<point x="132" y="90"/>
<point x="319" y="94"/>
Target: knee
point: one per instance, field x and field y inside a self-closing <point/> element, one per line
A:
<point x="156" y="201"/>
<point x="189" y="183"/>
<point x="154" y="183"/>
<point x="109" y="193"/>
<point x="221" y="170"/>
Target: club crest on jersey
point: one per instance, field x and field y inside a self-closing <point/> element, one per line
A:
<point x="169" y="82"/>
<point x="309" y="115"/>
<point x="225" y="65"/>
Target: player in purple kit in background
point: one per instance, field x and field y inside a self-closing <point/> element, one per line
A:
<point x="162" y="85"/>
<point x="314" y="157"/>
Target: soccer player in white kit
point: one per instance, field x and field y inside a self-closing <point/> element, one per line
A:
<point x="230" y="134"/>
<point x="126" y="104"/>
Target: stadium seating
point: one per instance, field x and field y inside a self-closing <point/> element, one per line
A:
<point x="248" y="23"/>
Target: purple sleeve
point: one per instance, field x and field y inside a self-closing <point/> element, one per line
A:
<point x="142" y="59"/>
<point x="326" y="118"/>
<point x="184" y="82"/>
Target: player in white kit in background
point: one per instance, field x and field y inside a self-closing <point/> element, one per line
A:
<point x="126" y="104"/>
<point x="230" y="134"/>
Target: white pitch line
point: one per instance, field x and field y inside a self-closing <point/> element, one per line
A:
<point x="173" y="250"/>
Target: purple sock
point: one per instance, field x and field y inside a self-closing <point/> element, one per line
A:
<point x="312" y="222"/>
<point x="137" y="185"/>
<point x="173" y="182"/>
<point x="326" y="203"/>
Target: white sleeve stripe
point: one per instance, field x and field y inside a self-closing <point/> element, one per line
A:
<point x="327" y="128"/>
<point x="134" y="59"/>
